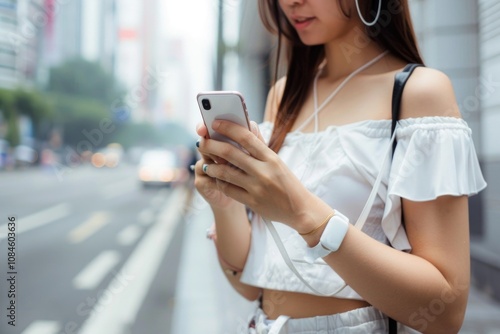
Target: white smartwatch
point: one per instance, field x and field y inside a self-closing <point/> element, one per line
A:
<point x="331" y="239"/>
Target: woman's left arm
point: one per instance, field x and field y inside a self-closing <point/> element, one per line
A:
<point x="428" y="288"/>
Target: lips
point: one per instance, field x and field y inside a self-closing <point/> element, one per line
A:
<point x="302" y="22"/>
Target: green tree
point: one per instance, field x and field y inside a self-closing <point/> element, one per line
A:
<point x="85" y="79"/>
<point x="9" y="116"/>
<point x="35" y="106"/>
<point x="14" y="103"/>
<point x="82" y="93"/>
<point x="76" y="115"/>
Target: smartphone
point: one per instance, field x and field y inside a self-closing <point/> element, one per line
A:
<point x="224" y="105"/>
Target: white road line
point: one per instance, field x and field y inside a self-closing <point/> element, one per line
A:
<point x="146" y="217"/>
<point x="117" y="314"/>
<point x="129" y="235"/>
<point x="38" y="219"/>
<point x="43" y="327"/>
<point x="96" y="221"/>
<point x="92" y="275"/>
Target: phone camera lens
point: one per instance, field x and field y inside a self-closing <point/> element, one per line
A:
<point x="206" y="104"/>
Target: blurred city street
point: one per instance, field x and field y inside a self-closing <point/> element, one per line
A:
<point x="96" y="253"/>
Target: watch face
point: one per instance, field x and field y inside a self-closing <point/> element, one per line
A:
<point x="335" y="232"/>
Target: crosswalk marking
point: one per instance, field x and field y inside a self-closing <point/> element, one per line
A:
<point x="92" y="275"/>
<point x="129" y="235"/>
<point x="38" y="219"/>
<point x="43" y="327"/>
<point x="96" y="221"/>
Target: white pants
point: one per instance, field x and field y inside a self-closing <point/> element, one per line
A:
<point x="363" y="321"/>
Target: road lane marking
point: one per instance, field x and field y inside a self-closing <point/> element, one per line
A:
<point x="142" y="265"/>
<point x="96" y="221"/>
<point x="38" y="219"/>
<point x="146" y="217"/>
<point x="93" y="274"/>
<point x="42" y="327"/>
<point x="129" y="235"/>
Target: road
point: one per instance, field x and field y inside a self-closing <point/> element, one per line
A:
<point x="92" y="249"/>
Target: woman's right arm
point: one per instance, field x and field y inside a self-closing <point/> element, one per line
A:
<point x="233" y="230"/>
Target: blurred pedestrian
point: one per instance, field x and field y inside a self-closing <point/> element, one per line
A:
<point x="347" y="235"/>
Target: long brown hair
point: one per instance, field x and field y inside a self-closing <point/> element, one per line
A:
<point x="393" y="32"/>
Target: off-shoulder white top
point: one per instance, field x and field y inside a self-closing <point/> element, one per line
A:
<point x="435" y="156"/>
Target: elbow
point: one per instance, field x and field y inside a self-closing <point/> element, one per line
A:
<point x="452" y="322"/>
<point x="444" y="314"/>
<point x="448" y="322"/>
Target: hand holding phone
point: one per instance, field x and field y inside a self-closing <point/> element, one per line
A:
<point x="222" y="105"/>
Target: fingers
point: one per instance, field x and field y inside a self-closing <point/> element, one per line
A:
<point x="228" y="180"/>
<point x="229" y="154"/>
<point x="201" y="130"/>
<point x="227" y="173"/>
<point x="207" y="155"/>
<point x="254" y="145"/>
<point x="255" y="130"/>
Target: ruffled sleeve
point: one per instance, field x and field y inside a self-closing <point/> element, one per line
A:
<point x="435" y="156"/>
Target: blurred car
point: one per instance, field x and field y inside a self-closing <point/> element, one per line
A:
<point x="110" y="156"/>
<point x="161" y="167"/>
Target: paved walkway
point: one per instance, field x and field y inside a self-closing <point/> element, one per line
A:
<point x="206" y="303"/>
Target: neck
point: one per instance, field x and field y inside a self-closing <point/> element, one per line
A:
<point x="345" y="55"/>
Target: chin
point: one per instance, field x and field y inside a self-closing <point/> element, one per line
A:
<point x="312" y="40"/>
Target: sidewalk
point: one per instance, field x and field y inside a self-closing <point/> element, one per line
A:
<point x="206" y="303"/>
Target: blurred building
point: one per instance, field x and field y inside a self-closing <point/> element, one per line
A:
<point x="8" y="55"/>
<point x="122" y="35"/>
<point x="39" y="34"/>
<point x="80" y="29"/>
<point x="137" y="58"/>
<point x="246" y="61"/>
<point x="465" y="44"/>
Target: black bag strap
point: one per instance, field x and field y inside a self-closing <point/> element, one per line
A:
<point x="397" y="93"/>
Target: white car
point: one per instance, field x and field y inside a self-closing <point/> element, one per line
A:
<point x="161" y="167"/>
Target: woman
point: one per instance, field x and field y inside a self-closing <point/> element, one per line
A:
<point x="314" y="163"/>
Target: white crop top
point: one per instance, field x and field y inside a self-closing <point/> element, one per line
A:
<point x="434" y="156"/>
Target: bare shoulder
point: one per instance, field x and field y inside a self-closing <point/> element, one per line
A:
<point x="429" y="92"/>
<point x="273" y="99"/>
